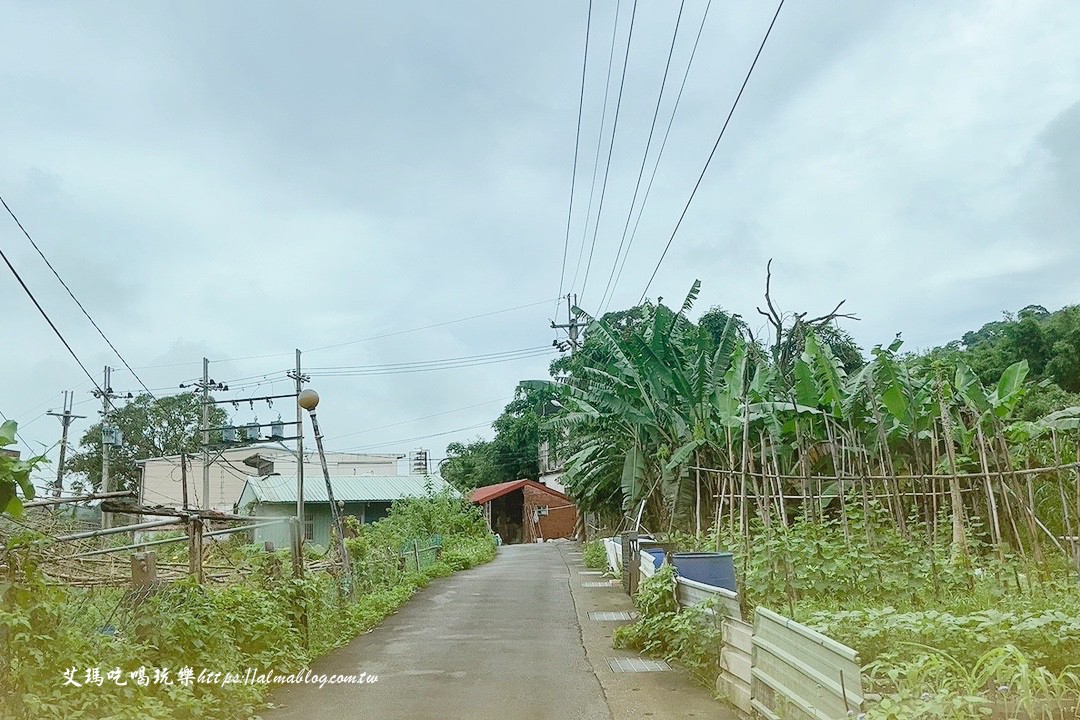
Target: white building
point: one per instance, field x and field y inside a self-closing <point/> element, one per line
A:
<point x="230" y="469"/>
<point x="551" y="468"/>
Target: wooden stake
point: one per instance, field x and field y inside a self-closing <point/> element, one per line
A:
<point x="195" y="548"/>
<point x="992" y="510"/>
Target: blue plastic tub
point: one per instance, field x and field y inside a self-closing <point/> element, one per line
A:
<point x="716" y="569"/>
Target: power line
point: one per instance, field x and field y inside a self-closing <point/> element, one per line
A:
<point x="426" y="327"/>
<point x="713" y="152"/>
<point x="391" y="366"/>
<point x="47" y="318"/>
<point x="577" y="144"/>
<point x="358" y="340"/>
<point x="599" y="144"/>
<point x="72" y="295"/>
<point x="660" y="153"/>
<point x="417" y="437"/>
<point x="406" y="368"/>
<point x="418" y="419"/>
<point x="611" y="147"/>
<point x="645" y="155"/>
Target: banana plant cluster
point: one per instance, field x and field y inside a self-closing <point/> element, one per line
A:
<point x="682" y="428"/>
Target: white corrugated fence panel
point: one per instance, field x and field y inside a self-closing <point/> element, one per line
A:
<point x="648" y="565"/>
<point x="808" y="673"/>
<point x="735" y="662"/>
<point x="691" y="592"/>
<point x="614" y="554"/>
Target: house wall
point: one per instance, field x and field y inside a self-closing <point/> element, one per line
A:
<point x="319" y="513"/>
<point x="161" y="485"/>
<point x="277" y="533"/>
<point x="558" y="523"/>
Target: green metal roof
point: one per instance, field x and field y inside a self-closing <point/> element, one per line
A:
<point x="347" y="488"/>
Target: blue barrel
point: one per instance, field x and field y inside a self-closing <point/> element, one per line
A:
<point x="716" y="569"/>
<point x="657" y="549"/>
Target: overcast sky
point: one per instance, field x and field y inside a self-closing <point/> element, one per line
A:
<point x="237" y="180"/>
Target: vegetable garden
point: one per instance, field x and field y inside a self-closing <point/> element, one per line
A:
<point x="898" y="504"/>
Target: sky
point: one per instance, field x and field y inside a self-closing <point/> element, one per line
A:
<point x="362" y="180"/>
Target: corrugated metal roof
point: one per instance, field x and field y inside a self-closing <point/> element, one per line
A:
<point x="490" y="492"/>
<point x="348" y="488"/>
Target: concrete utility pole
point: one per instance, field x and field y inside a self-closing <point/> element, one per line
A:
<point x="205" y="433"/>
<point x="573" y="329"/>
<point x="108" y="438"/>
<point x="300" y="379"/>
<point x="66" y="419"/>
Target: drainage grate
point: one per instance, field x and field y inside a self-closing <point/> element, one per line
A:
<point x="611" y="616"/>
<point x="590" y="572"/>
<point x="606" y="583"/>
<point x="621" y="665"/>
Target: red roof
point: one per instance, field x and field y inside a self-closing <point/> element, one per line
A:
<point x="491" y="492"/>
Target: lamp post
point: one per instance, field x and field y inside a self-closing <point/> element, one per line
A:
<point x="309" y="400"/>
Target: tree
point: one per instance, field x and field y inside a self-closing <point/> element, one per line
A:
<point x="151" y="428"/>
<point x="512" y="455"/>
<point x="1048" y="341"/>
<point x="14" y="473"/>
<point x="467" y="467"/>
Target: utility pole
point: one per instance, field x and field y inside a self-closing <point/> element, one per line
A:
<point x="205" y="386"/>
<point x="300" y="379"/>
<point x="66" y="419"/>
<point x="109" y="436"/>
<point x="573" y="329"/>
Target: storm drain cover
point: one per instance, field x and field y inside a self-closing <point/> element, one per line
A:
<point x="589" y="572"/>
<point x="605" y="583"/>
<point x="620" y="665"/>
<point x="611" y="616"/>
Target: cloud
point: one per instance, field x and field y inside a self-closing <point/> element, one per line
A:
<point x="236" y="181"/>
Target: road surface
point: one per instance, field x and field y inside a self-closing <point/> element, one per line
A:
<point x="510" y="639"/>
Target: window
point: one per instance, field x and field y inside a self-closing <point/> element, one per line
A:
<point x="309" y="527"/>
<point x="541" y="510"/>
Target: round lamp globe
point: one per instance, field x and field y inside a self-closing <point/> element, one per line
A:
<point x="308" y="399"/>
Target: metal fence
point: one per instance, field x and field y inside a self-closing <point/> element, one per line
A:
<point x="691" y="592"/>
<point x="774" y="667"/>
<point x="800" y="673"/>
<point x="647" y="566"/>
<point x="734" y="680"/>
<point x="422" y="554"/>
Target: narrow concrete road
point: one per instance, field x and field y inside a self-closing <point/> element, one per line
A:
<point x="498" y="641"/>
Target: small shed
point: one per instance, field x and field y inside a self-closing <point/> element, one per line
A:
<point x="525" y="511"/>
<point x="365" y="497"/>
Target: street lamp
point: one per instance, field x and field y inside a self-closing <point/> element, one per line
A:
<point x="309" y="399"/>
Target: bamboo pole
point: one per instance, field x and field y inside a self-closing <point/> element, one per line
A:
<point x="744" y="510"/>
<point x="804" y="469"/>
<point x="779" y="485"/>
<point x="959" y="535"/>
<point x="1065" y="510"/>
<point x="992" y="510"/>
<point x="839" y="469"/>
<point x="697" y="502"/>
<point x="1032" y="521"/>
